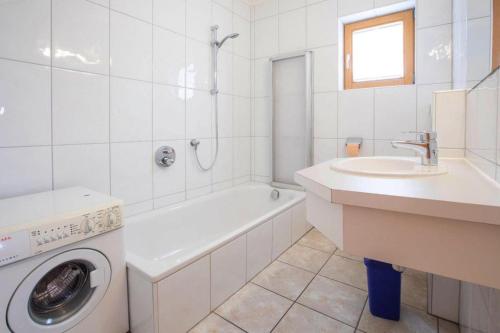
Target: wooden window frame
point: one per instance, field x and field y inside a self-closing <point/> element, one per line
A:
<point x="407" y="17"/>
<point x="495" y="58"/>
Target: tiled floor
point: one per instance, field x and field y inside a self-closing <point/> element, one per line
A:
<point x="314" y="287"/>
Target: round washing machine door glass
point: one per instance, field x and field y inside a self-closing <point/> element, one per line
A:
<point x="60" y="292"/>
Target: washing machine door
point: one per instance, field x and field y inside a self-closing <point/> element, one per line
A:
<point x="60" y="292"/>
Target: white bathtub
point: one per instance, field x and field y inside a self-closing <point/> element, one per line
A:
<point x="201" y="251"/>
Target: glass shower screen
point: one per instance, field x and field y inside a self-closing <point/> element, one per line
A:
<point x="292" y="116"/>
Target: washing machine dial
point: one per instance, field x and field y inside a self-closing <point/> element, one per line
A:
<point x="86" y="226"/>
<point x="112" y="219"/>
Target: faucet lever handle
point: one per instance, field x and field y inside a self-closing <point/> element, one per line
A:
<point x="424" y="135"/>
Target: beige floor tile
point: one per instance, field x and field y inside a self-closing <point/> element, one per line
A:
<point x="304" y="257"/>
<point x="341" y="253"/>
<point x="300" y="319"/>
<point x="318" y="241"/>
<point x="414" y="289"/>
<point x="286" y="280"/>
<point x="334" y="299"/>
<point x="215" y="324"/>
<point x="447" y="327"/>
<point x="346" y="270"/>
<point x="254" y="309"/>
<point x="412" y="321"/>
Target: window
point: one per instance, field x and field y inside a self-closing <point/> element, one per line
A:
<point x="379" y="51"/>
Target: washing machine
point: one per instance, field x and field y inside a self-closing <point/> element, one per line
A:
<point x="62" y="263"/>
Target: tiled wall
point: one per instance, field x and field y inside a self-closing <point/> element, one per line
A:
<point x="379" y="115"/>
<point x="479" y="306"/>
<point x="123" y="78"/>
<point x="471" y="41"/>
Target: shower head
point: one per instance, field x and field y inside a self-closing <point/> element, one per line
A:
<point x="219" y="44"/>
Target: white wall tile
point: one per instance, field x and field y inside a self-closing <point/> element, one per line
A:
<point x="25" y="116"/>
<point x="325" y="115"/>
<point x="138" y="208"/>
<point x="262" y="117"/>
<point x="481" y="119"/>
<point x="263" y="81"/>
<point x="169" y="57"/>
<point x="424" y="104"/>
<point x="228" y="270"/>
<point x="325" y="69"/>
<point x="266" y="9"/>
<point x="241" y="157"/>
<point x="263" y="156"/>
<point x="322" y="24"/>
<point x="73" y="162"/>
<point x="433" y="55"/>
<point x="347" y="7"/>
<point x="266" y="37"/>
<point x="131" y="110"/>
<point x="382" y="3"/>
<point x="478" y="48"/>
<point x="395" y="112"/>
<point x="198" y="19"/>
<point x="170" y="15"/>
<point x="228" y="4"/>
<point x="225" y="115"/>
<point x="259" y="248"/>
<point x="241" y="45"/>
<point x="356" y="113"/>
<point x="223" y="17"/>
<point x="169" y="200"/>
<point x="478" y="8"/>
<point x="282" y="232"/>
<point x="450" y="118"/>
<point x="18" y="177"/>
<point x="324" y="150"/>
<point x="292" y="30"/>
<point x="169" y="112"/>
<point x="167" y="181"/>
<point x="141" y="9"/>
<point x="223" y="168"/>
<point x="198" y="65"/>
<point x="242" y="114"/>
<point x="287" y="5"/>
<point x="80" y="32"/>
<point x="25" y="30"/>
<point x="131" y="171"/>
<point x="131" y="47"/>
<point x="431" y="13"/>
<point x="242" y="9"/>
<point x="80" y="107"/>
<point x="241" y="76"/>
<point x="196" y="177"/>
<point x="198" y="114"/>
<point x="188" y="288"/>
<point x="198" y="192"/>
<point x="225" y="71"/>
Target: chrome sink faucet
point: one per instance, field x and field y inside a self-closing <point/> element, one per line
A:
<point x="425" y="146"/>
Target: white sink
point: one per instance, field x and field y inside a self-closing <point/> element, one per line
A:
<point x="387" y="166"/>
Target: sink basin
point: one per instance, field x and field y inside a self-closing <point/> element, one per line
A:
<point x="387" y="166"/>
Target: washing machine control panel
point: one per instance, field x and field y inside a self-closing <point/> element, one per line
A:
<point x="50" y="236"/>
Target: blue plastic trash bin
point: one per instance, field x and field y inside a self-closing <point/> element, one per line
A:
<point x="384" y="289"/>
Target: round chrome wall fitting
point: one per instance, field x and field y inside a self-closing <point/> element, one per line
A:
<point x="165" y="156"/>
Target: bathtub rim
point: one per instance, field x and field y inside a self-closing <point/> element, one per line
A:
<point x="155" y="271"/>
